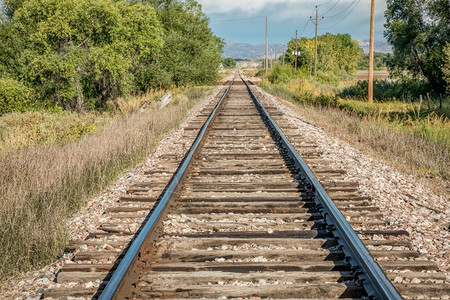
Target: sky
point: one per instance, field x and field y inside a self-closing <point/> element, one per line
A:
<point x="244" y="21"/>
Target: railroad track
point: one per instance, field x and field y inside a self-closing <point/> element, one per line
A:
<point x="244" y="217"/>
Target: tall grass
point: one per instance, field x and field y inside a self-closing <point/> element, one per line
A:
<point x="41" y="186"/>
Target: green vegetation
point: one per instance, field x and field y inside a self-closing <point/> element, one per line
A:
<point x="81" y="55"/>
<point x="336" y="54"/>
<point x="411" y="147"/>
<point x="398" y="124"/>
<point x="14" y="96"/>
<point x="42" y="186"/>
<point x="446" y="67"/>
<point x="423" y="126"/>
<point x="379" y="61"/>
<point x="229" y="63"/>
<point x="418" y="30"/>
<point x="387" y="90"/>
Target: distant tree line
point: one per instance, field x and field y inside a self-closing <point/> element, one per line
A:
<point x="78" y="54"/>
<point x="336" y="53"/>
<point x="380" y="61"/>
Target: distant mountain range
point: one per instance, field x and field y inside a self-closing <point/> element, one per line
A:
<point x="249" y="51"/>
<point x="378" y="46"/>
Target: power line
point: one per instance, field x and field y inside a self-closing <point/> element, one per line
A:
<point x="324" y="3"/>
<point x="306" y="24"/>
<point x="332" y="7"/>
<point x="344" y="16"/>
<point x="351" y="4"/>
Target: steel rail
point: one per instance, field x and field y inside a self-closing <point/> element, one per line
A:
<point x="377" y="285"/>
<point x="121" y="272"/>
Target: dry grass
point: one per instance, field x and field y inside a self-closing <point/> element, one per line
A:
<point x="41" y="186"/>
<point x="417" y="140"/>
<point x="24" y="130"/>
<point x="19" y="131"/>
<point x="409" y="152"/>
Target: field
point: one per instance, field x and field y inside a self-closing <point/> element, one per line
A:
<point x="364" y="75"/>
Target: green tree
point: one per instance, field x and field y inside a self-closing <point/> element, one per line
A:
<point x="337" y="54"/>
<point x="418" y="31"/>
<point x="379" y="61"/>
<point x="446" y="67"/>
<point x="229" y="62"/>
<point x="80" y="50"/>
<point x="79" y="54"/>
<point x="191" y="51"/>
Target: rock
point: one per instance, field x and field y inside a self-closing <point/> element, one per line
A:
<point x="415" y="280"/>
<point x="398" y="279"/>
<point x="43" y="281"/>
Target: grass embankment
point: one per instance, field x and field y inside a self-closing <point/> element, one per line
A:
<point x="44" y="182"/>
<point x="417" y="136"/>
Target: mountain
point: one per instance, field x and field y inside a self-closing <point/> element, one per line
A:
<point x="249" y="51"/>
<point x="378" y="46"/>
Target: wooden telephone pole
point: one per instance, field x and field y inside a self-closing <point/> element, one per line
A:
<point x="276" y="54"/>
<point x="271" y="57"/>
<point x="267" y="50"/>
<point x="316" y="22"/>
<point x="372" y="20"/>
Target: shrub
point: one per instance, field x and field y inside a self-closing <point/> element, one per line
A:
<point x="327" y="78"/>
<point x="14" y="96"/>
<point x="386" y="89"/>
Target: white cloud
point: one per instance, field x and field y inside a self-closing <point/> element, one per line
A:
<point x="226" y="6"/>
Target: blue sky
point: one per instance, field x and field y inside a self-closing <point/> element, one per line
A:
<point x="244" y="21"/>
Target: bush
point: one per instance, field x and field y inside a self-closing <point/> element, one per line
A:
<point x="283" y="74"/>
<point x="229" y="62"/>
<point x="14" y="96"/>
<point x="327" y="78"/>
<point x="386" y="89"/>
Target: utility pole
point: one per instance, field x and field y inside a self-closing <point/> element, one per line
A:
<point x="316" y="22"/>
<point x="296" y="39"/>
<point x="283" y="55"/>
<point x="276" y="53"/>
<point x="372" y="20"/>
<point x="271" y="57"/>
<point x="266" y="64"/>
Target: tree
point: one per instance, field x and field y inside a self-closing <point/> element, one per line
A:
<point x="78" y="54"/>
<point x="229" y="62"/>
<point x="446" y="67"/>
<point x="337" y="54"/>
<point x="81" y="50"/>
<point x="379" y="61"/>
<point x="191" y="51"/>
<point x="418" y="31"/>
